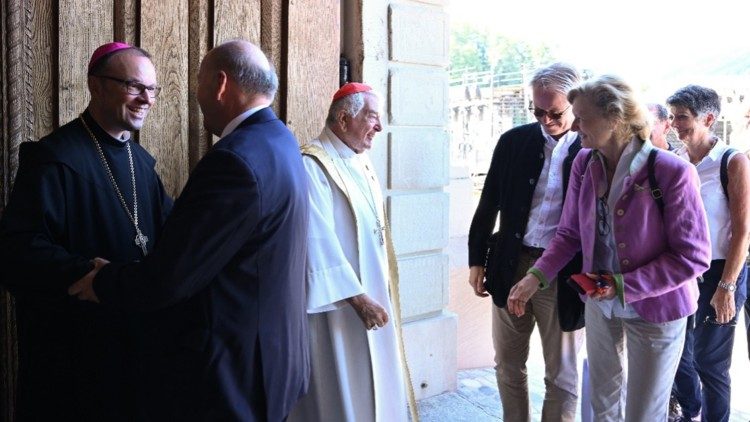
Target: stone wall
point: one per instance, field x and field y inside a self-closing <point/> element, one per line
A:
<point x="401" y="49"/>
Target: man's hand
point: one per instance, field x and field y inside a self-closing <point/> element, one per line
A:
<point x="476" y="280"/>
<point x="521" y="293"/>
<point x="723" y="303"/>
<point x="370" y="312"/>
<point x="83" y="289"/>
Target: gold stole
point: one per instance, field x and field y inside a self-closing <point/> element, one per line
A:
<point x="328" y="165"/>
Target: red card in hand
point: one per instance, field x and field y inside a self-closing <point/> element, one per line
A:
<point x="584" y="284"/>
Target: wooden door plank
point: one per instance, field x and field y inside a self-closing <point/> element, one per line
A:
<point x="199" y="41"/>
<point x="78" y="38"/>
<point x="272" y="31"/>
<point x="236" y="19"/>
<point x="312" y="64"/>
<point x="164" y="33"/>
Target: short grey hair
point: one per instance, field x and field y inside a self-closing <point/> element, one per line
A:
<point x="350" y="104"/>
<point x="698" y="99"/>
<point x="557" y="77"/>
<point x="660" y="112"/>
<point x="235" y="60"/>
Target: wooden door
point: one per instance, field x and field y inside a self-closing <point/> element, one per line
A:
<point x="45" y="46"/>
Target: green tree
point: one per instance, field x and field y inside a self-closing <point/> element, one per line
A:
<point x="468" y="49"/>
<point x="473" y="50"/>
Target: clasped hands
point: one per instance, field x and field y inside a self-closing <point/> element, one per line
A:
<point x="83" y="289"/>
<point x="370" y="312"/>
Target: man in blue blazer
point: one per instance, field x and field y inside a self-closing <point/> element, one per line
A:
<point x="226" y="279"/>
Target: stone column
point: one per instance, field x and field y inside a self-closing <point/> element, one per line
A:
<point x="401" y="49"/>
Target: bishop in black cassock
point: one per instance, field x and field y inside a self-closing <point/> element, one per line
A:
<point x="77" y="360"/>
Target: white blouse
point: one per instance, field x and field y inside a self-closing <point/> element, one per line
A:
<point x="714" y="200"/>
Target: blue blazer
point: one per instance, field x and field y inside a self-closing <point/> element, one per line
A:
<point x="226" y="284"/>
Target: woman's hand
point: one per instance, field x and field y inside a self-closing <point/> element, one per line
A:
<point x="521" y="293"/>
<point x="723" y="303"/>
<point x="606" y="291"/>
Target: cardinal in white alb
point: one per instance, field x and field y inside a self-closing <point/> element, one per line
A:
<point x="358" y="370"/>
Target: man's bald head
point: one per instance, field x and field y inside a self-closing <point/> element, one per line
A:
<point x="246" y="64"/>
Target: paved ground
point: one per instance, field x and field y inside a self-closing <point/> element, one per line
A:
<point x="477" y="399"/>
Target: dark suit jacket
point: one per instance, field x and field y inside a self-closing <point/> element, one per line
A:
<point x="509" y="187"/>
<point x="228" y="278"/>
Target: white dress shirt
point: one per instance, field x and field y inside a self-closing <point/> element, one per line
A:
<point x="546" y="204"/>
<point x="232" y="125"/>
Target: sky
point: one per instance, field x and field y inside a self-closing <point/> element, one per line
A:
<point x="657" y="45"/>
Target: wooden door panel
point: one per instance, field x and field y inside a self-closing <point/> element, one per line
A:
<point x="312" y="74"/>
<point x="45" y="46"/>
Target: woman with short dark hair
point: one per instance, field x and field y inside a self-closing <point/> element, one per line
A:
<point x="702" y="385"/>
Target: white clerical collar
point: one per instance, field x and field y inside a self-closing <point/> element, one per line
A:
<point x="232" y="125"/>
<point x="343" y="150"/>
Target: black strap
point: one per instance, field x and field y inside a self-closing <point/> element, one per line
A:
<point x="656" y="193"/>
<point x="724" y="171"/>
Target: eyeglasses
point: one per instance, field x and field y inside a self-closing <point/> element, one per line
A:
<point x="135" y="88"/>
<point x="709" y="320"/>
<point x="539" y="113"/>
<point x="602" y="213"/>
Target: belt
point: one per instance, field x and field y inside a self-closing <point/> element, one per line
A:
<point x="531" y="251"/>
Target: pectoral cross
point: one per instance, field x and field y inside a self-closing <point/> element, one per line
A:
<point x="141" y="240"/>
<point x="379" y="231"/>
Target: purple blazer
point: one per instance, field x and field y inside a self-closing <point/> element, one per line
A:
<point x="660" y="257"/>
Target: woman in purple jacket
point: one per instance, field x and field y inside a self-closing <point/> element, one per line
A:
<point x="651" y="241"/>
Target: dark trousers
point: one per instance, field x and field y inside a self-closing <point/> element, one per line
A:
<point x="712" y="346"/>
<point x="687" y="385"/>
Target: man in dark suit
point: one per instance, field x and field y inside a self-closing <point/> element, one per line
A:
<point x="226" y="281"/>
<point x="526" y="183"/>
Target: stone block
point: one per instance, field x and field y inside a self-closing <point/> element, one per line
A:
<point x="419" y="222"/>
<point x="379" y="156"/>
<point x="431" y="353"/>
<point x="418" y="34"/>
<point x="420" y="158"/>
<point x="462" y="204"/>
<point x="423" y="284"/>
<point x="418" y="96"/>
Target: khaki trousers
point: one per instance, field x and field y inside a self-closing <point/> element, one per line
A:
<point x="511" y="336"/>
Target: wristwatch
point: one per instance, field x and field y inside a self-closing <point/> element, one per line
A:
<point x="728" y="286"/>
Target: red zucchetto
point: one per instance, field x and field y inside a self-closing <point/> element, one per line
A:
<point x="105" y="49"/>
<point x="351" y="88"/>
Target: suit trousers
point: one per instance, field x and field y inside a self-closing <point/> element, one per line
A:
<point x="649" y="353"/>
<point x="511" y="336"/>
